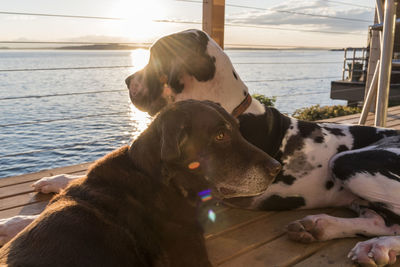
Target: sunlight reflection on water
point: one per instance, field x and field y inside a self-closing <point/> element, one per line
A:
<point x="139" y="120"/>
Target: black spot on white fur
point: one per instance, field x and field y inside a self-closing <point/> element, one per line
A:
<point x="265" y="130"/>
<point x="319" y="139"/>
<point x="234" y="74"/>
<point x="276" y="202"/>
<point x="329" y="185"/>
<point x="335" y="131"/>
<point x="286" y="179"/>
<point x="367" y="161"/>
<point x="382" y="209"/>
<point x="342" y="148"/>
<point x="295" y="142"/>
<point x="364" y="136"/>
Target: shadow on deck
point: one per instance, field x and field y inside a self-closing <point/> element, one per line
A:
<point x="236" y="238"/>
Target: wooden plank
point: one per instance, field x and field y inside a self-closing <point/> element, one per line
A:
<point x="354" y="117"/>
<point x="22" y="200"/>
<point x="243" y="239"/>
<point x="279" y="252"/>
<point x="394" y="125"/>
<point x="259" y="254"/>
<point x="22" y="188"/>
<point x="30" y="209"/>
<point x="229" y="219"/>
<point x="37" y="175"/>
<point x="332" y="255"/>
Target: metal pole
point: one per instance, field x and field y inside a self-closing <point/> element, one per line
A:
<point x="385" y="66"/>
<point x="344" y="64"/>
<point x="370" y="96"/>
<point x="379" y="10"/>
<point x="352" y="64"/>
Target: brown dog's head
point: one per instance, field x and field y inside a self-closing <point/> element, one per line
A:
<point x="171" y="58"/>
<point x="201" y="142"/>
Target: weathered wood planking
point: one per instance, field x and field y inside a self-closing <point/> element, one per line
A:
<point x="393" y="120"/>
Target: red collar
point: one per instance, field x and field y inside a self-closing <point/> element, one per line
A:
<point x="242" y="106"/>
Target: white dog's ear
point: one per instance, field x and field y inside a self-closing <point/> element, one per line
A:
<point x="202" y="66"/>
<point x="174" y="76"/>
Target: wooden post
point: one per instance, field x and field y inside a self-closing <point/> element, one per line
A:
<point x="385" y="65"/>
<point x="214" y="19"/>
<point x="374" y="51"/>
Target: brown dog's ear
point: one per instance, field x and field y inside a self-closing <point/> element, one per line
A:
<point x="172" y="135"/>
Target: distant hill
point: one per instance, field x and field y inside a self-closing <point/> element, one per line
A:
<point x="103" y="47"/>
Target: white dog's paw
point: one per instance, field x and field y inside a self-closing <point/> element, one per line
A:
<point x="309" y="229"/>
<point x="378" y="251"/>
<point x="9" y="227"/>
<point x="53" y="184"/>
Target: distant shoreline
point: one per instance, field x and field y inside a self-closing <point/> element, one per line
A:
<point x="128" y="47"/>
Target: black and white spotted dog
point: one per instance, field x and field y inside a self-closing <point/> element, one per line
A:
<point x="323" y="164"/>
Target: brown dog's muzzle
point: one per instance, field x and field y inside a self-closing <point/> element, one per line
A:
<point x="128" y="80"/>
<point x="273" y="167"/>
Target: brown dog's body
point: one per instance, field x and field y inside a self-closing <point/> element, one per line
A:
<point x="116" y="216"/>
<point x="138" y="205"/>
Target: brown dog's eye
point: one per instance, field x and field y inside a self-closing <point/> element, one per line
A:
<point x="220" y="136"/>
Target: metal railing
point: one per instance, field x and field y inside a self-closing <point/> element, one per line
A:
<point x="380" y="85"/>
<point x="356" y="65"/>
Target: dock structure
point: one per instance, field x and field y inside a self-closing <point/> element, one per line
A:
<point x="373" y="77"/>
<point x="237" y="237"/>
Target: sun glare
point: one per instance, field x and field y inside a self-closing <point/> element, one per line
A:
<point x="139" y="59"/>
<point x="138" y="17"/>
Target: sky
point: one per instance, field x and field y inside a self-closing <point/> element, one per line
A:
<point x="279" y="29"/>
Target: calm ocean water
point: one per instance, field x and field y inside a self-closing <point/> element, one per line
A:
<point x="39" y="133"/>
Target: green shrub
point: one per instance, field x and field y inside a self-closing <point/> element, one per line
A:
<point x="317" y="112"/>
<point x="269" y="101"/>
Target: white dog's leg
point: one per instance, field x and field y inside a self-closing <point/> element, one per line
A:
<point x="54" y="184"/>
<point x="325" y="227"/>
<point x="378" y="251"/>
<point x="9" y="227"/>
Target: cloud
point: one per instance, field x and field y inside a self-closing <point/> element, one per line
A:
<point x="318" y="7"/>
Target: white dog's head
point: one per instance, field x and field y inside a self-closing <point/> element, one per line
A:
<point x="187" y="65"/>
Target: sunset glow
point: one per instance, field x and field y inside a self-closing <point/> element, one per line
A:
<point x="139" y="58"/>
<point x="138" y="17"/>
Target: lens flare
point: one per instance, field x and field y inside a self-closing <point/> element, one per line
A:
<point x="211" y="215"/>
<point x="205" y="195"/>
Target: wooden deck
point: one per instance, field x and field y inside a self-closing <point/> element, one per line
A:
<point x="236" y="238"/>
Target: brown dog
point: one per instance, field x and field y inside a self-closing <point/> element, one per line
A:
<point x="138" y="205"/>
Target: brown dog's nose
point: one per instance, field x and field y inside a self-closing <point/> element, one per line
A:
<point x="128" y="80"/>
<point x="273" y="167"/>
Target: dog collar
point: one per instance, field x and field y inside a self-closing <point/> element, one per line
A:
<point x="242" y="106"/>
